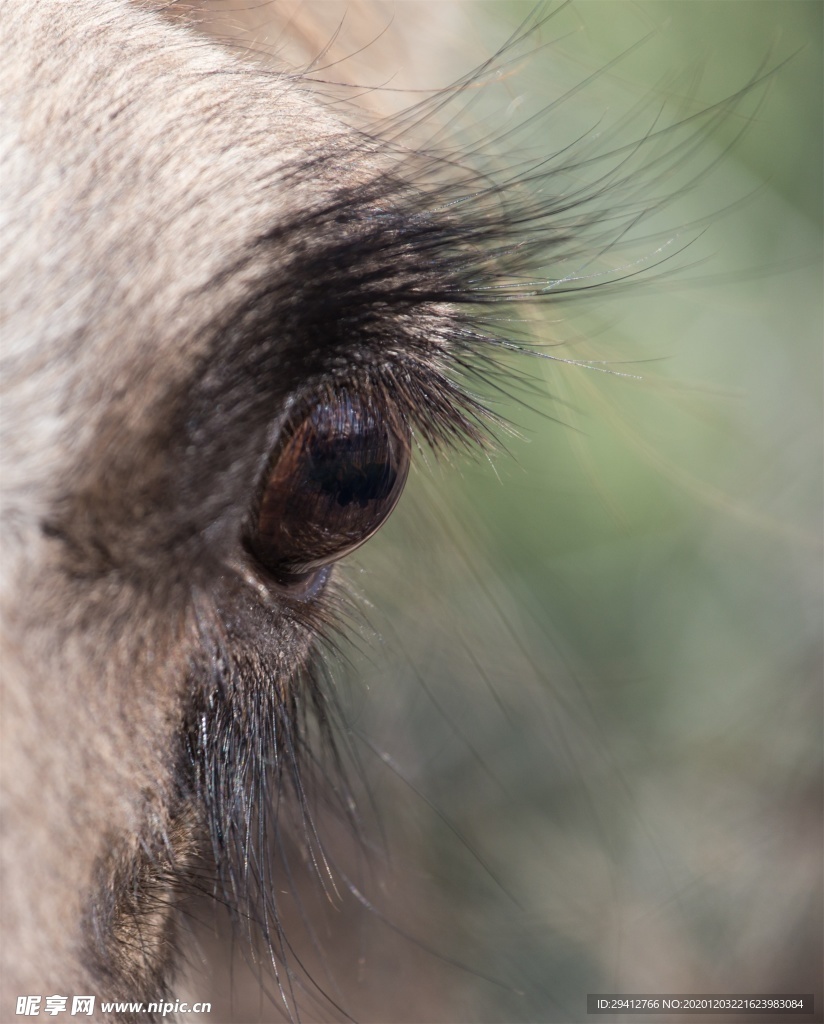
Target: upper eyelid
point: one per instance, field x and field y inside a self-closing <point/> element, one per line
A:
<point x="358" y="305"/>
<point x="254" y="360"/>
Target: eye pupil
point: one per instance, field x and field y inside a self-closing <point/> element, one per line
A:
<point x="339" y="471"/>
<point x="335" y="478"/>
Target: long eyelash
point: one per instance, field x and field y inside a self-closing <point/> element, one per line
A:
<point x="427" y="279"/>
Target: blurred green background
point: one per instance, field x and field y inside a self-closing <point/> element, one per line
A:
<point x="593" y="710"/>
<point x="587" y="705"/>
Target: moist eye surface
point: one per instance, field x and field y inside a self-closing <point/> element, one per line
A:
<point x="337" y="473"/>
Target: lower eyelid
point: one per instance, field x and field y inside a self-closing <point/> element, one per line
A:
<point x="304" y="588"/>
<point x="308" y="587"/>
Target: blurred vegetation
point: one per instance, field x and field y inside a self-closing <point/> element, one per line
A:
<point x="587" y="705"/>
<point x="593" y="704"/>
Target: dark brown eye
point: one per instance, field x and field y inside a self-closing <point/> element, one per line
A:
<point x="335" y="478"/>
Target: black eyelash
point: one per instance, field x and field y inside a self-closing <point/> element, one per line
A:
<point x="418" y="286"/>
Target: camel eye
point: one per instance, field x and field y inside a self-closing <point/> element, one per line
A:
<point x="335" y="477"/>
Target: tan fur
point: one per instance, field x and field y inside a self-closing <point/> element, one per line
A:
<point x="114" y="245"/>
